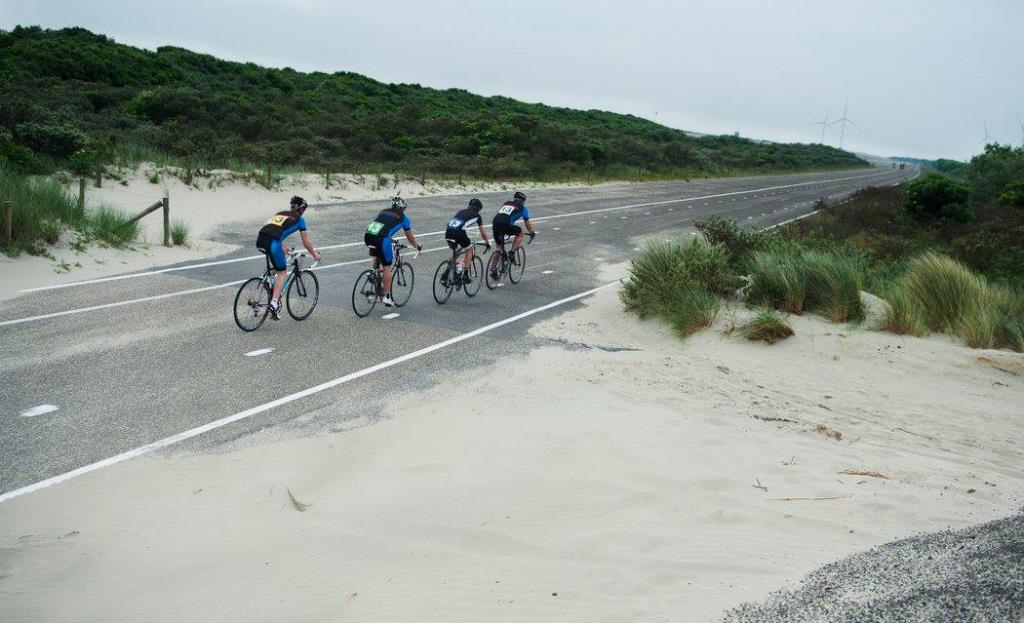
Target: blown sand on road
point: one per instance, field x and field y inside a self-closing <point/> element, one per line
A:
<point x="613" y="472"/>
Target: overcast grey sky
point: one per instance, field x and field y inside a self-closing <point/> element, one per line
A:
<point x="922" y="77"/>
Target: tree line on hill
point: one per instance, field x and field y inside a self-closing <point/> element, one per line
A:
<point x="72" y="98"/>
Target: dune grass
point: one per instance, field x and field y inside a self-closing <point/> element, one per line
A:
<point x="111" y="226"/>
<point x="767" y="326"/>
<point x="42" y="210"/>
<point x="938" y="293"/>
<point x="798" y="281"/>
<point x="679" y="282"/>
<point x="179" y="233"/>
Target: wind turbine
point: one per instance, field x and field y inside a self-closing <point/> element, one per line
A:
<point x="1021" y="131"/>
<point x="824" y="124"/>
<point x="844" y="120"/>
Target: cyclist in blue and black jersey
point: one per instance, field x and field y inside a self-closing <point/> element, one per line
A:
<point x="504" y="224"/>
<point x="271" y="242"/>
<point x="458" y="239"/>
<point x="378" y="238"/>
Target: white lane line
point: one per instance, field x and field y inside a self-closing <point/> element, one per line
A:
<point x="546" y="272"/>
<point x="623" y="217"/>
<point x="593" y="222"/>
<point x="636" y="248"/>
<point x="598" y="259"/>
<point x="40" y="410"/>
<point x="257" y="353"/>
<point x="316" y="389"/>
<point x="391" y="315"/>
<point x="556" y="228"/>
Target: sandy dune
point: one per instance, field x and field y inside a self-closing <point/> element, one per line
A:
<point x="637" y="477"/>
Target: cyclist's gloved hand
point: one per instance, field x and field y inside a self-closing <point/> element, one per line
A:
<point x="488" y="247"/>
<point x="533" y="235"/>
<point x="419" y="247"/>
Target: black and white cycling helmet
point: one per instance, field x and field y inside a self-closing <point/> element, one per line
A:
<point x="476" y="204"/>
<point x="398" y="203"/>
<point x="299" y="204"/>
<point x="519" y="196"/>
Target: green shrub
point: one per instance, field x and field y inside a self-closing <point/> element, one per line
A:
<point x="22" y="160"/>
<point x="82" y="162"/>
<point x="59" y="139"/>
<point x="980" y="325"/>
<point x="1013" y="194"/>
<point x="768" y="326"/>
<point x="937" y="197"/>
<point x="179" y="232"/>
<point x="112" y="227"/>
<point x="738" y="241"/>
<point x="663" y="269"/>
<point x="944" y="290"/>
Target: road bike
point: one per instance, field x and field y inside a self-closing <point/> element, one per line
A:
<point x="501" y="264"/>
<point x="448" y="278"/>
<point x="369" y="289"/>
<point x="301" y="288"/>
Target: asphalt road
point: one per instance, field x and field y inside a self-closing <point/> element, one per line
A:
<point x="140" y="360"/>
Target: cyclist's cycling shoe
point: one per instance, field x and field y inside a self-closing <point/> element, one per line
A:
<point x="494" y="274"/>
<point x="388" y="301"/>
<point x="275" y="307"/>
<point x="466" y="279"/>
<point x="512" y="259"/>
<point x="444" y="281"/>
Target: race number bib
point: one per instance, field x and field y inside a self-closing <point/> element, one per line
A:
<point x="507" y="210"/>
<point x="455" y="223"/>
<point x="278" y="220"/>
<point x="374" y="228"/>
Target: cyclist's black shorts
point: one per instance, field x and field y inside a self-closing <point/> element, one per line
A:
<point x="380" y="248"/>
<point x="501" y="230"/>
<point x="457" y="239"/>
<point x="271" y="247"/>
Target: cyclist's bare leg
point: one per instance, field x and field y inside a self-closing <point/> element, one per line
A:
<point x="518" y="241"/>
<point x="279" y="283"/>
<point x="387" y="280"/>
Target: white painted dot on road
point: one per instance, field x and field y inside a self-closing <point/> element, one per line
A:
<point x="623" y="217"/>
<point x="671" y="209"/>
<point x="257" y="353"/>
<point x="546" y="272"/>
<point x="598" y="259"/>
<point x="391" y="315"/>
<point x="647" y="213"/>
<point x="636" y="248"/>
<point x="40" y="410"/>
<point x="557" y="228"/>
<point x="592" y="222"/>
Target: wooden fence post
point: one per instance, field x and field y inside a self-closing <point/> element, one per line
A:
<point x="99" y="176"/>
<point x="81" y="193"/>
<point x="8" y="222"/>
<point x="167" y="221"/>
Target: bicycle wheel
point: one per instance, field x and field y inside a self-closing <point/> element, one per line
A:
<point x="303" y="293"/>
<point x="476" y="273"/>
<point x="515" y="271"/>
<point x="442" y="291"/>
<point x="252" y="304"/>
<point x="364" y="293"/>
<point x="403" y="278"/>
<point x="493" y="268"/>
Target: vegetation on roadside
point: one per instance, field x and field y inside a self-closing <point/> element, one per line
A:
<point x="943" y="255"/>
<point x="76" y="99"/>
<point x="179" y="233"/>
<point x="44" y="211"/>
<point x="767" y="326"/>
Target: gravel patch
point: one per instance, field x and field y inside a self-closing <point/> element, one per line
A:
<point x="975" y="574"/>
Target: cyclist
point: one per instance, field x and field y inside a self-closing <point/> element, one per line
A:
<point x="270" y="241"/>
<point x="378" y="239"/>
<point x="504" y="224"/>
<point x="458" y="239"/>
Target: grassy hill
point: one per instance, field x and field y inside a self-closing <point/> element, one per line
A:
<point x="70" y="97"/>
